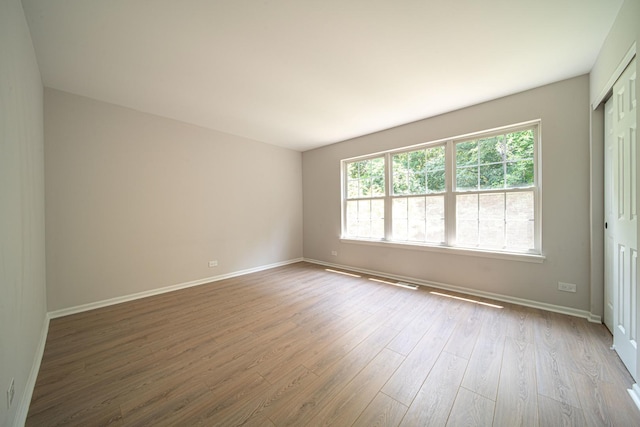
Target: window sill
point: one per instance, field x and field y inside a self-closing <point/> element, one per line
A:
<point x="511" y="256"/>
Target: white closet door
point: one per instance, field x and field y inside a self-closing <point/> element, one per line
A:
<point x="621" y="241"/>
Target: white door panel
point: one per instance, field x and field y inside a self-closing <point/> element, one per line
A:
<point x="621" y="240"/>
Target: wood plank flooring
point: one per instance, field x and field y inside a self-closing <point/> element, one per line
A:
<point x="302" y="345"/>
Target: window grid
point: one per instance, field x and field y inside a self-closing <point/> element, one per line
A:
<point x="445" y="227"/>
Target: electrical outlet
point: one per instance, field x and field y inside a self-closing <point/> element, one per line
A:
<point x="10" y="392"/>
<point x="334" y="253"/>
<point x="213" y="263"/>
<point x="566" y="287"/>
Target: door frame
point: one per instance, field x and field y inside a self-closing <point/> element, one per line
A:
<point x="596" y="176"/>
<point x="596" y="172"/>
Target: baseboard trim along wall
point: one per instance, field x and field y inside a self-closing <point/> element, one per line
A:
<point x="117" y="300"/>
<point x="498" y="297"/>
<point x="25" y="398"/>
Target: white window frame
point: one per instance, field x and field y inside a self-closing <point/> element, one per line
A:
<point x="449" y="246"/>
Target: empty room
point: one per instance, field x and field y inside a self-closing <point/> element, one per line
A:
<point x="292" y="213"/>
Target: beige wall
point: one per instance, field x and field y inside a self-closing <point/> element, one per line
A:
<point x="22" y="259"/>
<point x="137" y="202"/>
<point x="563" y="108"/>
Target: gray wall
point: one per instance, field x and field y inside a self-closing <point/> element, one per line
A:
<point x="22" y="259"/>
<point x="137" y="202"/>
<point x="563" y="108"/>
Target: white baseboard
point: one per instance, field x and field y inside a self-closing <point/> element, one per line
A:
<point x="498" y="297"/>
<point x="594" y="318"/>
<point x="117" y="300"/>
<point x="25" y="400"/>
<point x="634" y="391"/>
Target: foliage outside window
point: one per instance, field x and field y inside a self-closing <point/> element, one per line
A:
<point x="479" y="192"/>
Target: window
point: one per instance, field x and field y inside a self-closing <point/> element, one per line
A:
<point x="477" y="192"/>
<point x="365" y="198"/>
<point x="418" y="195"/>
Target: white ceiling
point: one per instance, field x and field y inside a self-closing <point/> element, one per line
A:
<point x="306" y="73"/>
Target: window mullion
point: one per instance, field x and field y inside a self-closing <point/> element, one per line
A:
<point x="388" y="221"/>
<point x="450" y="200"/>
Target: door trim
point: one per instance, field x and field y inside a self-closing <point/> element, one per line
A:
<point x="626" y="60"/>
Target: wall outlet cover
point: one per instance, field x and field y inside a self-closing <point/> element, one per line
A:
<point x="567" y="287"/>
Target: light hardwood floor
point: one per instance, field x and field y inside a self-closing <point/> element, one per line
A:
<point x="300" y="345"/>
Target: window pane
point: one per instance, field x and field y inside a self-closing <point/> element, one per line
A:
<point x="365" y="178"/>
<point x="520" y="235"/>
<point x="467" y="206"/>
<point x="491" y="234"/>
<point x="399" y="208"/>
<point x="435" y="231"/>
<point x="365" y="218"/>
<point x="520" y="220"/>
<point x="492" y="176"/>
<point x="409" y="176"/>
<point x="467" y="153"/>
<point x="467" y="220"/>
<point x="364" y="229"/>
<point x="491" y="225"/>
<point x="377" y="209"/>
<point x="352" y="170"/>
<point x="399" y="214"/>
<point x="377" y="229"/>
<point x="436" y="181"/>
<point x="417" y="161"/>
<point x="352" y="218"/>
<point x="400" y="229"/>
<point x="520" y="145"/>
<point x="492" y="206"/>
<point x="400" y="181"/>
<point x="435" y="158"/>
<point x="520" y="174"/>
<point x="418" y="219"/>
<point x="467" y="178"/>
<point x="520" y="206"/>
<point x="377" y="219"/>
<point x="491" y="150"/>
<point x="418" y="183"/>
<point x="416" y="208"/>
<point x="467" y="232"/>
<point x="417" y="226"/>
<point x="377" y="176"/>
<point x="364" y="210"/>
<point x="352" y="188"/>
<point x="434" y="208"/>
<point x="417" y="229"/>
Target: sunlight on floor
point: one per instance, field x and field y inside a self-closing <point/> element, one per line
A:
<point x="341" y="272"/>
<point x="467" y="299"/>
<point x="402" y="285"/>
